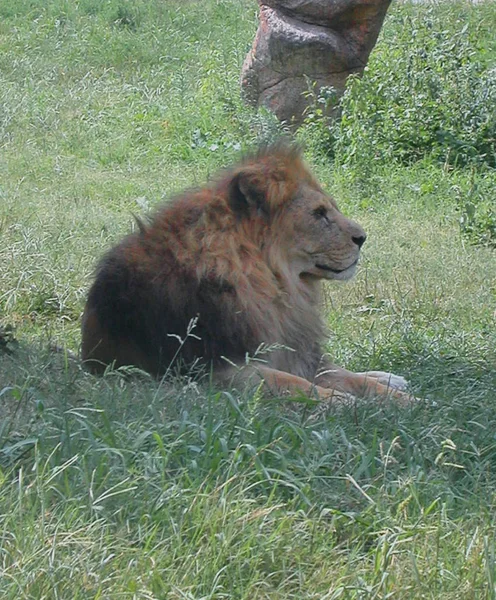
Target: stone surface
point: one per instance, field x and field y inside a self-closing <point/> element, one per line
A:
<point x="299" y="42"/>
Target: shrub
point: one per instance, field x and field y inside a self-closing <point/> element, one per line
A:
<point x="426" y="93"/>
<point x="478" y="212"/>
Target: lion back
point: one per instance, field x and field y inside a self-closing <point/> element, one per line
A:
<point x="147" y="307"/>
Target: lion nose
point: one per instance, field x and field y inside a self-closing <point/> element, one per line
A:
<point x="359" y="239"/>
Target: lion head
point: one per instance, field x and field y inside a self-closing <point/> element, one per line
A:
<point x="302" y="230"/>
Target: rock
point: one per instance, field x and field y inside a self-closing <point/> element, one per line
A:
<point x="299" y="42"/>
<point x="7" y="339"/>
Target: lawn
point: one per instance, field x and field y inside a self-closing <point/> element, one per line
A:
<point x="120" y="487"/>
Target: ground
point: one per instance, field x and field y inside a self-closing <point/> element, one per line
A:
<point x="127" y="487"/>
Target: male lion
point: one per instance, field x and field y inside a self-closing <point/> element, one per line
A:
<point x="243" y="260"/>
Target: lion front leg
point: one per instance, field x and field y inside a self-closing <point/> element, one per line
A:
<point x="278" y="383"/>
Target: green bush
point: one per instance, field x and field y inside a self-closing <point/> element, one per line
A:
<point x="427" y="93"/>
<point x="477" y="210"/>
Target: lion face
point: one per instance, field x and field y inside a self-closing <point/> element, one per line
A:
<point x="303" y="230"/>
<point x="325" y="244"/>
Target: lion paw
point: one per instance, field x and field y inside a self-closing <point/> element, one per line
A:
<point x="396" y="382"/>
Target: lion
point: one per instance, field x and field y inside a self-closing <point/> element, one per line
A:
<point x="219" y="273"/>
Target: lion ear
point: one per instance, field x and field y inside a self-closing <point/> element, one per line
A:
<point x="246" y="195"/>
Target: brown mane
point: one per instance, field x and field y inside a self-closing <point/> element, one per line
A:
<point x="223" y="258"/>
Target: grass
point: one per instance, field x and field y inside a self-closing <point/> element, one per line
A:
<point x="126" y="487"/>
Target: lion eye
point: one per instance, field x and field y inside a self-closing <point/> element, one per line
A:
<point x="320" y="212"/>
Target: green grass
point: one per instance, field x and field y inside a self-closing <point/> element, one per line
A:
<point x="121" y="487"/>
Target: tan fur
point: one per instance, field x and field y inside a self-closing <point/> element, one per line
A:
<point x="244" y="256"/>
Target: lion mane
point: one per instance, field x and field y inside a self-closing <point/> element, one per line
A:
<point x="218" y="273"/>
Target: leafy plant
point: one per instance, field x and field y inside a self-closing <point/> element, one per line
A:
<point x="477" y="214"/>
<point x="427" y="92"/>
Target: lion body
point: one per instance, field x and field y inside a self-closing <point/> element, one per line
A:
<point x="219" y="272"/>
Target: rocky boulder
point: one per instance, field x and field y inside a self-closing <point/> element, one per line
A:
<point x="308" y="42"/>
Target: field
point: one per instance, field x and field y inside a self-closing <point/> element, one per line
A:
<point x="121" y="487"/>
